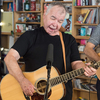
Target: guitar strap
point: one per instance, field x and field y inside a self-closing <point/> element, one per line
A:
<point x="63" y="49"/>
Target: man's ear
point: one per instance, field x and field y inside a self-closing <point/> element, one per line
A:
<point x="44" y="15"/>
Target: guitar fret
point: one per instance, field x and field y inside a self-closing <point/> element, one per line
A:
<point x="65" y="78"/>
<point x="58" y="80"/>
<point x="75" y="73"/>
<point x="82" y="70"/>
<point x="52" y="82"/>
<point x="72" y="73"/>
<point x="61" y="78"/>
<point x="68" y="76"/>
<point x="78" y="72"/>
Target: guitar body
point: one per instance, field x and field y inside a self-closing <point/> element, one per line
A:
<point x="11" y="90"/>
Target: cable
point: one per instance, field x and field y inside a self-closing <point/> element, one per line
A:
<point x="89" y="84"/>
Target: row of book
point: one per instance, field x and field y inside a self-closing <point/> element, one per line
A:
<point x="84" y="2"/>
<point x="90" y="17"/>
<point x="81" y="85"/>
<point x="18" y="5"/>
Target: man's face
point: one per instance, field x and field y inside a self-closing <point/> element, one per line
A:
<point x="53" y="20"/>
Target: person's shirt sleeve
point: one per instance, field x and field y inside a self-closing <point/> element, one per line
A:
<point x="95" y="37"/>
<point x="22" y="44"/>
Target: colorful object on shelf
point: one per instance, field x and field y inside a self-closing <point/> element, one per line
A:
<point x="27" y="6"/>
<point x="33" y="5"/>
<point x="83" y="42"/>
<point x="83" y="31"/>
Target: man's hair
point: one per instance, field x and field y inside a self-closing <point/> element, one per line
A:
<point x="60" y="4"/>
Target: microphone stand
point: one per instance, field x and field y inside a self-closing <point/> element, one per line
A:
<point x="48" y="76"/>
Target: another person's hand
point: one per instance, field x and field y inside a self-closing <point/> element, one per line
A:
<point x="27" y="87"/>
<point x="89" y="71"/>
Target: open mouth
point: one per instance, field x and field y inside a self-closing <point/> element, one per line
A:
<point x="52" y="28"/>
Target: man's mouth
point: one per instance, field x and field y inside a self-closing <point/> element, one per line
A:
<point x="52" y="28"/>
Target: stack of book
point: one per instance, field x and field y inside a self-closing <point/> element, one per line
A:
<point x="84" y="2"/>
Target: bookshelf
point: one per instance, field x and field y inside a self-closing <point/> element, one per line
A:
<point x="17" y="14"/>
<point x="76" y="10"/>
<point x="84" y="93"/>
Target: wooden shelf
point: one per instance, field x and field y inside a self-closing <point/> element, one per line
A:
<point x="18" y="33"/>
<point x="5" y="33"/>
<point x="82" y="37"/>
<point x="28" y="23"/>
<point x="28" y="11"/>
<point x="87" y="78"/>
<point x="84" y="90"/>
<point x="56" y="1"/>
<point x="7" y="1"/>
<point x="95" y="6"/>
<point x="86" y="24"/>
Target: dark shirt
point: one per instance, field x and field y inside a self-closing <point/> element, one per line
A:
<point x="33" y="45"/>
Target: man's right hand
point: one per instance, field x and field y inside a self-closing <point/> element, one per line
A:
<point x="27" y="87"/>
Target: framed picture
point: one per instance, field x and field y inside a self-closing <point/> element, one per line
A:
<point x="7" y="20"/>
<point x="10" y="6"/>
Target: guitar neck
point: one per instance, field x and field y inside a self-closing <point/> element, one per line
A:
<point x="66" y="77"/>
<point x="70" y="75"/>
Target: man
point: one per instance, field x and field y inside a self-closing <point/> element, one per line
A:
<point x="32" y="45"/>
<point x="89" y="51"/>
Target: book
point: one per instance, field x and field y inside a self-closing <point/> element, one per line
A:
<point x="87" y="20"/>
<point x="93" y="2"/>
<point x="20" y="28"/>
<point x="14" y="5"/>
<point x="90" y="2"/>
<point x="19" y="5"/>
<point x="86" y="16"/>
<point x="78" y="2"/>
<point x="93" y="17"/>
<point x="83" y="3"/>
<point x="87" y="2"/>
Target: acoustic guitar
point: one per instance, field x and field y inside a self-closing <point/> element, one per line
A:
<point x="11" y="90"/>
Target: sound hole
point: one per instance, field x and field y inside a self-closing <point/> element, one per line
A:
<point x="41" y="85"/>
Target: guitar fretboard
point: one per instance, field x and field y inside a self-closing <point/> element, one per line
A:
<point x="66" y="77"/>
<point x="70" y="75"/>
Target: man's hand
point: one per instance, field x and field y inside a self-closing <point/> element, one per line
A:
<point x="89" y="71"/>
<point x="27" y="87"/>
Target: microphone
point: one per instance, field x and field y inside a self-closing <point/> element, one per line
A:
<point x="49" y="58"/>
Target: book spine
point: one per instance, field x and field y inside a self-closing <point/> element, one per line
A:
<point x="86" y="16"/>
<point x="83" y="3"/>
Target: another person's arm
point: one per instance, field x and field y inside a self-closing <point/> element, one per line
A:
<point x="90" y="52"/>
<point x="79" y="64"/>
<point x="14" y="70"/>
